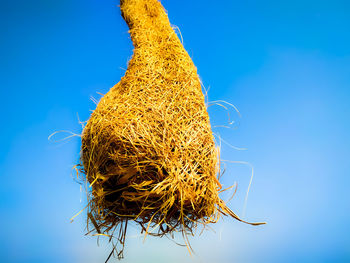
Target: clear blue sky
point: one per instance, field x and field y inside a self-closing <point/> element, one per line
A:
<point x="284" y="64"/>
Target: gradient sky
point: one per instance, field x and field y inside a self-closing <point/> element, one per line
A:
<point x="284" y="64"/>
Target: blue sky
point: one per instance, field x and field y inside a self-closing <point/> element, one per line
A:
<point x="284" y="64"/>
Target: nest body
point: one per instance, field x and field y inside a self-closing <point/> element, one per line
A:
<point x="148" y="151"/>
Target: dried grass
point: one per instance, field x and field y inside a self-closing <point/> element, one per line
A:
<point x="148" y="151"/>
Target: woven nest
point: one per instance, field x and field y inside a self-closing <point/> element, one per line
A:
<point x="148" y="151"/>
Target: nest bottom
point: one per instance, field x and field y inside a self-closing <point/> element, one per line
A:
<point x="162" y="203"/>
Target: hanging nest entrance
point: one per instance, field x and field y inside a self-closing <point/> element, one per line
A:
<point x="148" y="151"/>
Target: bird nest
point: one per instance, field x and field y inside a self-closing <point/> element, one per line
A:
<point x="148" y="152"/>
